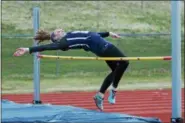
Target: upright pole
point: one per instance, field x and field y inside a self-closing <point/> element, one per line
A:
<point x="176" y="61"/>
<point x="36" y="60"/>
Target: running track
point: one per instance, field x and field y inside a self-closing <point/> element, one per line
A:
<point x="150" y="103"/>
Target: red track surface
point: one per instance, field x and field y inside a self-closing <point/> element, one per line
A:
<point x="150" y="103"/>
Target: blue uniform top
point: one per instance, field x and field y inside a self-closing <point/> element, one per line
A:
<point x="89" y="41"/>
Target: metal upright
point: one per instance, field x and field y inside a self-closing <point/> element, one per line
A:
<point x="36" y="60"/>
<point x="176" y="61"/>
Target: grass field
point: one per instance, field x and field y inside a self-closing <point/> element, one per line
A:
<point x="123" y="17"/>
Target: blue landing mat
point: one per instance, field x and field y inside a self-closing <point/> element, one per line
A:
<point x="14" y="112"/>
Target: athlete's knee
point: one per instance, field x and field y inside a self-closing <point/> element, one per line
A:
<point x="124" y="64"/>
<point x="127" y="63"/>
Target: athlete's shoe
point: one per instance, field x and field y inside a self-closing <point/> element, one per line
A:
<point x="112" y="97"/>
<point x="99" y="101"/>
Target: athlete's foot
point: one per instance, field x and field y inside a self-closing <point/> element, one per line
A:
<point x="112" y="96"/>
<point x="99" y="101"/>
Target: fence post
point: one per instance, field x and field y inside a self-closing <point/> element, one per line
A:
<point x="57" y="65"/>
<point x="142" y="2"/>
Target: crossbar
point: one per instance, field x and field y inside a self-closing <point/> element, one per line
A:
<point x="106" y="58"/>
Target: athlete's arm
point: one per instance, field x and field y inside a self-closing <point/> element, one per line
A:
<point x="21" y="51"/>
<point x="80" y="46"/>
<point x="106" y="34"/>
<point x="52" y="46"/>
<point x="76" y="47"/>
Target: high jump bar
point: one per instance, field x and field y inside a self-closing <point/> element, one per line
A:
<point x="105" y="58"/>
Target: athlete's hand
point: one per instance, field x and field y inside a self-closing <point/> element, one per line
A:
<point x="21" y="51"/>
<point x="114" y="35"/>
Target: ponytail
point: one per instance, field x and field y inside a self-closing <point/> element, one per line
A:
<point x="42" y="35"/>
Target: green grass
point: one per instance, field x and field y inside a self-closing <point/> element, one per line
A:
<point x="121" y="16"/>
<point x="118" y="16"/>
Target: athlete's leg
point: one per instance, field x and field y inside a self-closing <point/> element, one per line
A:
<point x="109" y="78"/>
<point x="118" y="73"/>
<point x="99" y="97"/>
<point x="118" y="68"/>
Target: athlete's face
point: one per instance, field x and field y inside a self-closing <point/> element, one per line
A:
<point x="58" y="34"/>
